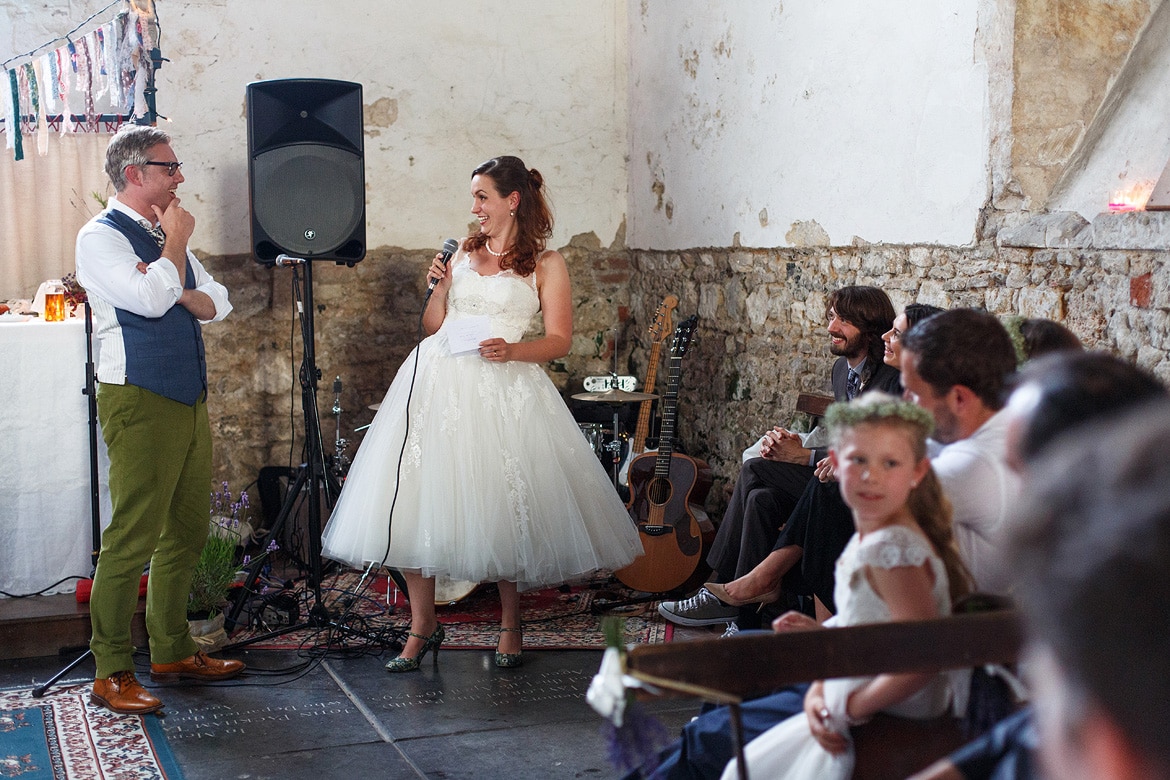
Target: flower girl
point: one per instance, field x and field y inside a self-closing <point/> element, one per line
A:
<point x="900" y="564"/>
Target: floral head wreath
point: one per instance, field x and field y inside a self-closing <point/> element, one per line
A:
<point x="876" y="407"/>
<point x="1013" y="326"/>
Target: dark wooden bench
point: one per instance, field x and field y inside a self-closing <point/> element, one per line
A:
<point x="813" y="405"/>
<point x="733" y="669"/>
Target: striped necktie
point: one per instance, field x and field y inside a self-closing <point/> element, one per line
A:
<point x="156" y="232"/>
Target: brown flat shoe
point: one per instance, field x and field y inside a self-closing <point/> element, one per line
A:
<point x="122" y="693"/>
<point x="197" y="667"/>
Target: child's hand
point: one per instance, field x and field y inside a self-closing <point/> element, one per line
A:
<point x="141" y="266"/>
<point x="820" y="724"/>
<point x="794" y="621"/>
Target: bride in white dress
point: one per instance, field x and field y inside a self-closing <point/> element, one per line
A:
<point x="496" y="482"/>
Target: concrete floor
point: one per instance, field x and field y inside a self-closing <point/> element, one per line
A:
<point x="291" y="718"/>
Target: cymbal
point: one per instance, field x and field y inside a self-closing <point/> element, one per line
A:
<point x="614" y="395"/>
<point x="375" y="407"/>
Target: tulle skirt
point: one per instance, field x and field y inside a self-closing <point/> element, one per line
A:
<point x="489" y="478"/>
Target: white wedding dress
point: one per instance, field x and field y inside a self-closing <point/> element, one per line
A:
<point x="497" y="482"/>
<point x="787" y="751"/>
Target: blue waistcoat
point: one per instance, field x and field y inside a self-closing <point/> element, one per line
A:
<point x="163" y="354"/>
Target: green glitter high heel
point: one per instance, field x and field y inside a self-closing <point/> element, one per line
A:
<point x="430" y="643"/>
<point x="509" y="660"/>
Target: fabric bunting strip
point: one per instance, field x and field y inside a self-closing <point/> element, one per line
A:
<point x="42" y="125"/>
<point x="12" y="118"/>
<point x="89" y="83"/>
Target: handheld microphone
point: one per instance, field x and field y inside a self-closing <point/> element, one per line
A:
<point x="450" y="247"/>
<point x="283" y="260"/>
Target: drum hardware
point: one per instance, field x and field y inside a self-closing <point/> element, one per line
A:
<point x="619" y="390"/>
<point x="340" y="462"/>
<point x="594" y="434"/>
<point x="615" y="397"/>
<point x="449" y="591"/>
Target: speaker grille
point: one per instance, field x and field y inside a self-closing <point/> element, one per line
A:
<point x="314" y="199"/>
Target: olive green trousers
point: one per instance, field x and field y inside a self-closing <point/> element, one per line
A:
<point x="160" y="489"/>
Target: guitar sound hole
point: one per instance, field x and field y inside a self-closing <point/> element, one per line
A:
<point x="659" y="490"/>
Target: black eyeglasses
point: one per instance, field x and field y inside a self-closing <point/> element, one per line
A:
<point x="170" y="166"/>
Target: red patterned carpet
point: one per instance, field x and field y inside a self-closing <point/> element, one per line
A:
<point x="564" y="618"/>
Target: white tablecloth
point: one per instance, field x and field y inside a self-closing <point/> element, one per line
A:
<point x="45" y="516"/>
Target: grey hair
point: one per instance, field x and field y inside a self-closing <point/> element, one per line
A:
<point x="128" y="147"/>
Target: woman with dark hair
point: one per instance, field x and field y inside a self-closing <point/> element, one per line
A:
<point x="1036" y="336"/>
<point x="892" y="338"/>
<point x="473" y="468"/>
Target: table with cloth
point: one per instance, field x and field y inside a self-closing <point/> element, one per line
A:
<point x="45" y="515"/>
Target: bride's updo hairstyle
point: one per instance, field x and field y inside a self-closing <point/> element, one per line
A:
<point x="928" y="505"/>
<point x="533" y="216"/>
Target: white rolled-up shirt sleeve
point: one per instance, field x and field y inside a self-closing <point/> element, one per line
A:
<point x="108" y="268"/>
<point x="204" y="283"/>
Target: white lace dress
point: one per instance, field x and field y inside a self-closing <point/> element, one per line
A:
<point x="497" y="482"/>
<point x="787" y="751"/>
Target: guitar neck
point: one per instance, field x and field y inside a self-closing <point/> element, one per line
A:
<point x="669" y="414"/>
<point x="643" y="428"/>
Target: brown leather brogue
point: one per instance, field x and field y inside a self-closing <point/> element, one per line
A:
<point x="196" y="667"/>
<point x="122" y="693"/>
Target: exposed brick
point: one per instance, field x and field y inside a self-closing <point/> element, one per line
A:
<point x="1140" y="290"/>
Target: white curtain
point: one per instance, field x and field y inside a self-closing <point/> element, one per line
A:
<point x="44" y="201"/>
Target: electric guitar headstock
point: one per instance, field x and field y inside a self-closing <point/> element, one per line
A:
<point x="660" y="328"/>
<point x="682" y="336"/>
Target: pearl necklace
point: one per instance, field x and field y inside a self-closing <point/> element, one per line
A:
<point x="488" y="246"/>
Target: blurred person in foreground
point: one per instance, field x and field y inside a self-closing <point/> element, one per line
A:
<point x="1052" y="396"/>
<point x="1092" y="552"/>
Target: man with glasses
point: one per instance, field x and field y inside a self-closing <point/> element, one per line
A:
<point x="150" y="298"/>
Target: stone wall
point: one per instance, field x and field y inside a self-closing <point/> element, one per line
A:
<point x="366" y="323"/>
<point x="761" y="337"/>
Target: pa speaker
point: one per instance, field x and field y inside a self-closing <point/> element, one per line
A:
<point x="306" y="170"/>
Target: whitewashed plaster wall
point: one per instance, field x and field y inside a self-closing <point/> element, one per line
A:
<point x="807" y="122"/>
<point x="445" y="85"/>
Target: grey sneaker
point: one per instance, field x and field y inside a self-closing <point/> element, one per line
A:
<point x="701" y="609"/>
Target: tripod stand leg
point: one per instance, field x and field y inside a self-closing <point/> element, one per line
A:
<point x="40" y="690"/>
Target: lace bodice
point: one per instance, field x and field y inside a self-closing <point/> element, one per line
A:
<point x="509" y="300"/>
<point x="885" y="548"/>
<point x="858" y="603"/>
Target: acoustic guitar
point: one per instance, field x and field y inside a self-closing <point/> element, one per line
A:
<point x="659" y="331"/>
<point x="667" y="492"/>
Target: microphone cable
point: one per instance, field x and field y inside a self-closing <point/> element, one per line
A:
<point x="358" y="592"/>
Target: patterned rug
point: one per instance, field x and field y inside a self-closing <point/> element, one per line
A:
<point x="562" y="618"/>
<point x="63" y="737"/>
